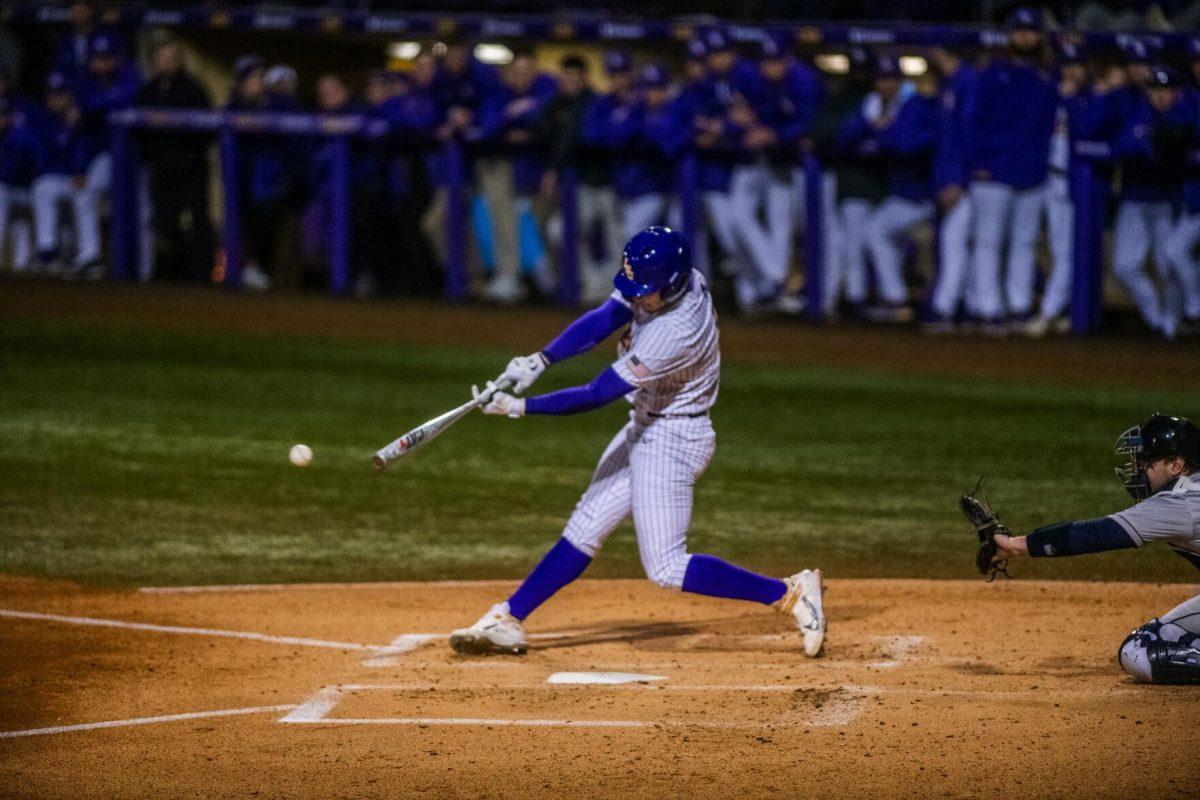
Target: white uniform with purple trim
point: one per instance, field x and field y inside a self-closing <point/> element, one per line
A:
<point x="651" y="465"/>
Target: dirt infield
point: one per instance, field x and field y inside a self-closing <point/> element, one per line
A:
<point x="350" y="691"/>
<point x="1138" y="361"/>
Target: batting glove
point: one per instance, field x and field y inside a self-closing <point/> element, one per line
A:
<point x="522" y="371"/>
<point x="493" y="401"/>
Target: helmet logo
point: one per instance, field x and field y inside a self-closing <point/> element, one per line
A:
<point x="628" y="270"/>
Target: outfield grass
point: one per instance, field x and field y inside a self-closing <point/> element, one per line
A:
<point x="137" y="457"/>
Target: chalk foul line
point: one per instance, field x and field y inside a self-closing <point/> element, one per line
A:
<point x="122" y="723"/>
<point x="298" y="641"/>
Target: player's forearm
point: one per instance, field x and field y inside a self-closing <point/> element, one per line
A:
<point x="1069" y="539"/>
<point x="588" y="331"/>
<point x="604" y="388"/>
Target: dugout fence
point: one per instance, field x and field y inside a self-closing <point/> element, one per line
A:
<point x="1088" y="172"/>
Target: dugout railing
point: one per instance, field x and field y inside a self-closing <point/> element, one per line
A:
<point x="1088" y="172"/>
<point x="1088" y="175"/>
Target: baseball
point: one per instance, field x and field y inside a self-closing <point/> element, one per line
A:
<point x="300" y="455"/>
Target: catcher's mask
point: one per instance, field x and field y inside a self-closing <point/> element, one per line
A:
<point x="1161" y="436"/>
<point x="1132" y="474"/>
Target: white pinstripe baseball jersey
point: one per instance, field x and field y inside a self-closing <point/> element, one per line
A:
<point x="651" y="466"/>
<point x="673" y="358"/>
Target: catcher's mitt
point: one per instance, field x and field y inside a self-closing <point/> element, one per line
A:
<point x="987" y="524"/>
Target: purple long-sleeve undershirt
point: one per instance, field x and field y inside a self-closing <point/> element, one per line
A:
<point x="603" y="389"/>
<point x="588" y="331"/>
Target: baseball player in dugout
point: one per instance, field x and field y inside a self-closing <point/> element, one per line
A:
<point x="668" y="367"/>
<point x="1162" y="473"/>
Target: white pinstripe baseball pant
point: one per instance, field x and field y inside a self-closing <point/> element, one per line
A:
<point x="649" y="470"/>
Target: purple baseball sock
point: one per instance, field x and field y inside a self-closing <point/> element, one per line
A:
<point x="716" y="578"/>
<point x="563" y="564"/>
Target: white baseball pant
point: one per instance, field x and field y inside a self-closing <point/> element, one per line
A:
<point x="1140" y="228"/>
<point x="954" y="238"/>
<point x="1180" y="248"/>
<point x="1060" y="229"/>
<point x="718" y="207"/>
<point x="12" y="200"/>
<point x="1003" y="214"/>
<point x="833" y="258"/>
<point x="893" y="216"/>
<point x="50" y="191"/>
<point x="641" y="212"/>
<point x="597" y="205"/>
<point x="648" y="470"/>
<point x="851" y="267"/>
<point x="756" y="188"/>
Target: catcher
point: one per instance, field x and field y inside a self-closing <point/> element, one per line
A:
<point x="1163" y="457"/>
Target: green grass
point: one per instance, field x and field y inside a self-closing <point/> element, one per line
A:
<point x="137" y="457"/>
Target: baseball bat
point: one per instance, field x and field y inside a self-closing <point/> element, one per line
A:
<point x="427" y="431"/>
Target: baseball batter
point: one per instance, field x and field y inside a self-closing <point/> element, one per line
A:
<point x="670" y="368"/>
<point x="1163" y="475"/>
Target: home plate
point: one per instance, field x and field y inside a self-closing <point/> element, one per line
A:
<point x="602" y="677"/>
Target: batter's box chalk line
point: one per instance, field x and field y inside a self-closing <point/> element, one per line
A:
<point x="389" y="655"/>
<point x="841" y="707"/>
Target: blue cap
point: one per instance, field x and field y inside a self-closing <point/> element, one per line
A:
<point x="773" y="46"/>
<point x="103" y="43"/>
<point x="657" y="259"/>
<point x="57" y="81"/>
<point x="1025" y="18"/>
<point x="716" y="40"/>
<point x="617" y="61"/>
<point x="248" y="64"/>
<point x="886" y="67"/>
<point x="653" y="76"/>
<point x="696" y="49"/>
<point x="1163" y="76"/>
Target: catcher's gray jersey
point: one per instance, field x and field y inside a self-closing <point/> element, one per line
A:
<point x="1171" y="516"/>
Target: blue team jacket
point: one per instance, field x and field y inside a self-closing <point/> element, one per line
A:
<point x="950" y="165"/>
<point x="493" y="123"/>
<point x="20" y="149"/>
<point x="644" y="143"/>
<point x="1149" y="172"/>
<point x="1010" y="122"/>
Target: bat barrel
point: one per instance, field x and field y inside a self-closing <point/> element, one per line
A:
<point x="423" y="434"/>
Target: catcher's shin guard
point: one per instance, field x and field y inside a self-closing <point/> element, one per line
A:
<point x="1152" y="660"/>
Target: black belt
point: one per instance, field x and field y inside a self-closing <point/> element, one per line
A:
<point x="679" y="416"/>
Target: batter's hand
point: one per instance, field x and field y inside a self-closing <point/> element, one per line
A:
<point x="522" y="371"/>
<point x="495" y="402"/>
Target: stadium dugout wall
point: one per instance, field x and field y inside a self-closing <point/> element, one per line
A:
<point x="1088" y="170"/>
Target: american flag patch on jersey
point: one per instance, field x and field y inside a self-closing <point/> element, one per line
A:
<point x="637" y="368"/>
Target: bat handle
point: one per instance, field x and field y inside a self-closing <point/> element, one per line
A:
<point x="486" y="398"/>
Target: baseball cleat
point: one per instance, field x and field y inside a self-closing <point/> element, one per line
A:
<point x="803" y="601"/>
<point x="497" y="631"/>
